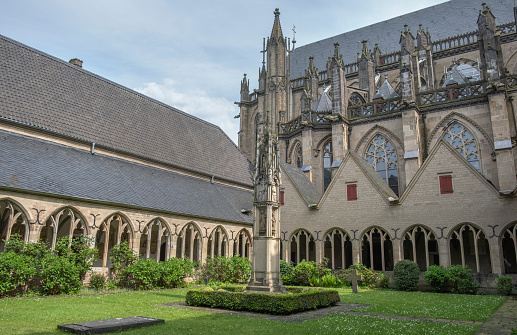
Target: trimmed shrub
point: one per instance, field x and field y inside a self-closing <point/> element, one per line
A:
<point x="461" y="280"/>
<point x="142" y="275"/>
<point x="436" y="276"/>
<point x="504" y="285"/>
<point x="97" y="281"/>
<point x="59" y="275"/>
<point x="15" y="272"/>
<point x="406" y="274"/>
<point x="262" y="303"/>
<point x="173" y="272"/>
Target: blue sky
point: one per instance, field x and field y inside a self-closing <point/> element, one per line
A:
<point x="190" y="55"/>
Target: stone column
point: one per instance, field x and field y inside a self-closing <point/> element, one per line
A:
<point x="356" y="251"/>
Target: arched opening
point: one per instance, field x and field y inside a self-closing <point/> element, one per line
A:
<point x="327" y="165"/>
<point x="242" y="244"/>
<point x="302" y="247"/>
<point x="12" y="222"/>
<point x="355" y="99"/>
<point x="154" y="241"/>
<point x="112" y="231"/>
<point x="462" y="140"/>
<point x="469" y="246"/>
<point x="377" y="250"/>
<point x="190" y="242"/>
<point x="217" y="242"/>
<point x="66" y="222"/>
<point x="509" y="246"/>
<point x="338" y="249"/>
<point x="382" y="156"/>
<point x="420" y="246"/>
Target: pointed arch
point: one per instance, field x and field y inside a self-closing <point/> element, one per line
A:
<point x="218" y="242"/>
<point x="295" y="153"/>
<point x="190" y="242"/>
<point x="13" y="220"/>
<point x="242" y="243"/>
<point x="337" y="248"/>
<point x="508" y="243"/>
<point x="468" y="245"/>
<point x="155" y="240"/>
<point x="355" y="99"/>
<point x="382" y="155"/>
<point x="452" y="117"/>
<point x="302" y="246"/>
<point x="114" y="229"/>
<point x="65" y="221"/>
<point x="419" y="244"/>
<point x="377" y="249"/>
<point x="321" y="144"/>
<point x="379" y="130"/>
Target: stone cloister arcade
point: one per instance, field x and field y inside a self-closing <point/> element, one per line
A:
<point x="465" y="244"/>
<point x="157" y="238"/>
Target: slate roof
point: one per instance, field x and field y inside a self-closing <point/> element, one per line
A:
<point x="46" y="167"/>
<point x="386" y="91"/>
<point x="300" y="181"/>
<point x="42" y="91"/>
<point x="323" y="104"/>
<point x="443" y="20"/>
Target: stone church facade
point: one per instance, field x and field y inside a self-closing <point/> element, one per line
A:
<point x="83" y="156"/>
<point x="403" y="150"/>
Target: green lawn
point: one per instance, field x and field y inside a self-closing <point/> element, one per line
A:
<point x="42" y="315"/>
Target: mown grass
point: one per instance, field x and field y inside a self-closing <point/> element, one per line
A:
<point x="426" y="304"/>
<point x="42" y="315"/>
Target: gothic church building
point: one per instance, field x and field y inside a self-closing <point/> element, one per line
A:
<point x="403" y="150"/>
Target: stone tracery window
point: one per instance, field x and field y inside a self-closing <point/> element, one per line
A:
<point x="355" y="99"/>
<point x="155" y="241"/>
<point x="242" y="244"/>
<point x="509" y="247"/>
<point x="377" y="250"/>
<point x="462" y="140"/>
<point x="469" y="246"/>
<point x="12" y="221"/>
<point x="338" y="249"/>
<point x="420" y="246"/>
<point x="302" y="247"/>
<point x="327" y="165"/>
<point x="382" y="156"/>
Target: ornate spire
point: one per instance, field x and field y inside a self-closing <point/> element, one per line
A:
<point x="276" y="32"/>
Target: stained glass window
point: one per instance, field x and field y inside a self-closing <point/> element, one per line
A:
<point x="327" y="165"/>
<point x="382" y="156"/>
<point x="463" y="142"/>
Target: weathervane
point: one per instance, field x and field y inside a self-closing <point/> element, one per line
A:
<point x="294" y="35"/>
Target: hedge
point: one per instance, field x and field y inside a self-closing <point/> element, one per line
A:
<point x="262" y="303"/>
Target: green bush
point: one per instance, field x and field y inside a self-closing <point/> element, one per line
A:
<point x="262" y="303"/>
<point x="461" y="280"/>
<point x="285" y="270"/>
<point x="59" y="275"/>
<point x="406" y="274"/>
<point x="329" y="280"/>
<point x="381" y="280"/>
<point x="15" y="272"/>
<point x="436" y="277"/>
<point x="173" y="272"/>
<point x="369" y="278"/>
<point x="141" y="275"/>
<point x="97" y="282"/>
<point x="121" y="256"/>
<point x="504" y="285"/>
<point x="223" y="269"/>
<point x="302" y="273"/>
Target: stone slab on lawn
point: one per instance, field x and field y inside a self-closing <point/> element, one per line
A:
<point x="110" y="325"/>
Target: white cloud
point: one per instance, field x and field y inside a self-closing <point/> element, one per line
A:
<point x="218" y="111"/>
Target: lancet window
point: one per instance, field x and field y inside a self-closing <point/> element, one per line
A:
<point x="382" y="156"/>
<point x="420" y="246"/>
<point x="302" y="247"/>
<point x="113" y="231"/>
<point x="242" y="244"/>
<point x="377" y="250"/>
<point x="338" y="249"/>
<point x="327" y="165"/>
<point x="190" y="243"/>
<point x="12" y="221"/>
<point x="463" y="142"/>
<point x="469" y="246"/>
<point x="155" y="241"/>
<point x="298" y="156"/>
<point x="509" y="245"/>
<point x="217" y="242"/>
<point x="64" y="223"/>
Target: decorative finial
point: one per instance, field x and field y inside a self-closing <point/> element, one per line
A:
<point x="276" y="12"/>
<point x="406" y="28"/>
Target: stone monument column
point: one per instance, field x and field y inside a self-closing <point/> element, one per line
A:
<point x="265" y="257"/>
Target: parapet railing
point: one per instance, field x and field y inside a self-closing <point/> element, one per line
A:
<point x="307" y="117"/>
<point x="451" y="93"/>
<point x="375" y="108"/>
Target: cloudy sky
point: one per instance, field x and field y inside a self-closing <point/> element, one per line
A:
<point x="188" y="54"/>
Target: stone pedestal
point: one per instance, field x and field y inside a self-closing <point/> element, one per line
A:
<point x="265" y="275"/>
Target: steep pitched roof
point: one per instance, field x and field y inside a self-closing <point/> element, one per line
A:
<point x="443" y="20"/>
<point x="50" y="94"/>
<point x="300" y="181"/>
<point x="324" y="104"/>
<point x="386" y="91"/>
<point x="35" y="165"/>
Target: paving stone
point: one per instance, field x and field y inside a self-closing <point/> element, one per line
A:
<point x="110" y="325"/>
<point x="502" y="321"/>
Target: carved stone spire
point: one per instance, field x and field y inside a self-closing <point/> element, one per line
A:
<point x="265" y="276"/>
